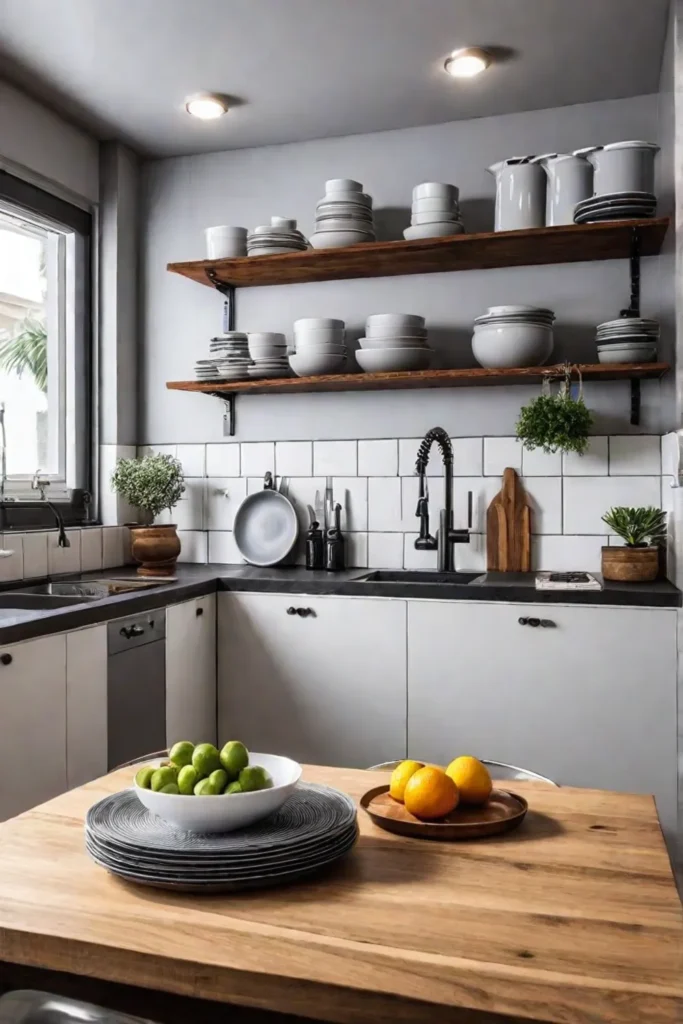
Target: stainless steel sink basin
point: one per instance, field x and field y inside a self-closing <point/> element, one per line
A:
<point x="419" y="576"/>
<point x="91" y="590"/>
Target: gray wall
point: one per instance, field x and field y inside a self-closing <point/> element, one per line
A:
<point x="185" y="195"/>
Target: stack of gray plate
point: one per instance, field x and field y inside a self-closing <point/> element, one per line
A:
<point x="206" y="369"/>
<point x="628" y="340"/>
<point x="231" y="354"/>
<point x="279" y="236"/>
<point x="312" y="830"/>
<point x="343" y="216"/>
<point x="616" y="206"/>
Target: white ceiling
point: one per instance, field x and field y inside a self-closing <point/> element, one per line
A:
<point x="304" y="69"/>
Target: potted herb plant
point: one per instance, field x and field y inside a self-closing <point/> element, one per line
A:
<point x="151" y="484"/>
<point x="556" y="423"/>
<point x="643" y="531"/>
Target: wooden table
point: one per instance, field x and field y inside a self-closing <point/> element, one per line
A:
<point x="574" y="918"/>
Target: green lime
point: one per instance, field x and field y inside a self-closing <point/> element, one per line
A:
<point x="170" y="788"/>
<point x="219" y="780"/>
<point x="254" y="778"/>
<point x="204" y="788"/>
<point x="234" y="757"/>
<point x="205" y="758"/>
<point x="163" y="777"/>
<point x="143" y="778"/>
<point x="188" y="777"/>
<point x="233" y="787"/>
<point x="181" y="753"/>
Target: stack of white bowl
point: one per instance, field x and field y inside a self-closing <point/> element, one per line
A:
<point x="435" y="211"/>
<point x="510" y="336"/>
<point x="394" y="341"/>
<point x="231" y="352"/>
<point x="268" y="351"/>
<point x="318" y="347"/>
<point x="225" y="242"/>
<point x="343" y="216"/>
<point x="279" y="236"/>
<point x="628" y="340"/>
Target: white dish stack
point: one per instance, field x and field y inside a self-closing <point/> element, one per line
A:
<point x="206" y="369"/>
<point x="628" y="340"/>
<point x="268" y="351"/>
<point x="231" y="352"/>
<point x="225" y="242"/>
<point x="272" y="239"/>
<point x="513" y="336"/>
<point x="343" y="216"/>
<point x="435" y="211"/>
<point x="318" y="347"/>
<point x="394" y="342"/>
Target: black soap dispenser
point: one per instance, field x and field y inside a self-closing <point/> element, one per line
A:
<point x="335" y="544"/>
<point x="315" y="547"/>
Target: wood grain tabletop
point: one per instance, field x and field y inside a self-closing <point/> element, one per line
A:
<point x="573" y="918"/>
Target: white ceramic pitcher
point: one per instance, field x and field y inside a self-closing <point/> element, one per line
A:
<point x="622" y="166"/>
<point x="520" y="193"/>
<point x="570" y="181"/>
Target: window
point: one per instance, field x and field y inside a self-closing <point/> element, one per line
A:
<point x="44" y="342"/>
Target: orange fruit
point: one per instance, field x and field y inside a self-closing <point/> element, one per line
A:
<point x="399" y="778"/>
<point x="430" y="793"/>
<point x="472" y="779"/>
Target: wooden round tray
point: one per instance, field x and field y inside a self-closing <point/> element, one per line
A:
<point x="503" y="812"/>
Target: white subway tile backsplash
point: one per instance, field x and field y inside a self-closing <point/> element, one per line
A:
<point x="540" y="463"/>
<point x="61" y="560"/>
<point x="335" y="458"/>
<point x="222" y="549"/>
<point x="356" y="550"/>
<point x="254" y="484"/>
<point x="223" y="460"/>
<point x="410" y="492"/>
<point x="407" y="454"/>
<point x="471" y="557"/>
<point x="223" y="497"/>
<point x="378" y="458"/>
<point x="414" y="559"/>
<point x="194" y="546"/>
<point x="35" y="554"/>
<point x="567" y="553"/>
<point x="501" y="453"/>
<point x="158" y="449"/>
<point x="112" y="546"/>
<point x="671" y="453"/>
<point x="468" y="456"/>
<point x="385" y="550"/>
<point x="258" y="458"/>
<point x="545" y="496"/>
<point x="484" y="490"/>
<point x="301" y="492"/>
<point x="192" y="458"/>
<point x="91" y="549"/>
<point x="586" y="499"/>
<point x="294" y="458"/>
<point x="384" y="504"/>
<point x="592" y="463"/>
<point x="352" y="494"/>
<point x="635" y="455"/>
<point x="11" y="565"/>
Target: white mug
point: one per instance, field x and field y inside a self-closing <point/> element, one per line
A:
<point x="225" y="242"/>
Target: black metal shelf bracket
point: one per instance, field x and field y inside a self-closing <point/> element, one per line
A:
<point x="228" y="293"/>
<point x="635" y="402"/>
<point x="229" y="414"/>
<point x="634" y="275"/>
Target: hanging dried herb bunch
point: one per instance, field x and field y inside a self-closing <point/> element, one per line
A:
<point x="556" y="422"/>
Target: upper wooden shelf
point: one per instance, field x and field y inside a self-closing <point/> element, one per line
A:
<point x="572" y="243"/>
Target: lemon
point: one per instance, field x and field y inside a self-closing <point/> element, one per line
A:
<point x="181" y="753"/>
<point x="472" y="779"/>
<point x="399" y="778"/>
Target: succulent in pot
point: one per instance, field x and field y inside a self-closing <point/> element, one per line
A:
<point x="152" y="484"/>
<point x="643" y="531"/>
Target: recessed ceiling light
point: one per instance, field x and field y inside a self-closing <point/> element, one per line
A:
<point x="206" y="106"/>
<point x="467" y="63"/>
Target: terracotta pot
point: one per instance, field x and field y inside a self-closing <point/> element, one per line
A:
<point x="630" y="565"/>
<point x="156" y="548"/>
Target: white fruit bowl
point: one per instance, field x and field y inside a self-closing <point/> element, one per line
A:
<point x="227" y="812"/>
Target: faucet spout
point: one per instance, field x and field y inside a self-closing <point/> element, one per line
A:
<point x="446" y="536"/>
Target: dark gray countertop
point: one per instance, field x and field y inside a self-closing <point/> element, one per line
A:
<point x="197" y="580"/>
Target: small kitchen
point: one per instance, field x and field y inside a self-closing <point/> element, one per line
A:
<point x="339" y="669"/>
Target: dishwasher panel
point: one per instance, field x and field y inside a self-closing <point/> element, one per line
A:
<point x="136" y="687"/>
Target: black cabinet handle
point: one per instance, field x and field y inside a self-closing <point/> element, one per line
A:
<point x="199" y="611"/>
<point x="546" y="623"/>
<point x="303" y="612"/>
<point x="131" y="631"/>
<point x="6" y="659"/>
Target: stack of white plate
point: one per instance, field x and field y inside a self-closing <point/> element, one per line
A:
<point x="206" y="369"/>
<point x="268" y="351"/>
<point x="616" y="206"/>
<point x="394" y="341"/>
<point x="277" y="237"/>
<point x="435" y="211"/>
<point x="231" y="353"/>
<point x="318" y="347"/>
<point x="343" y="216"/>
<point x="509" y="336"/>
<point x="628" y="340"/>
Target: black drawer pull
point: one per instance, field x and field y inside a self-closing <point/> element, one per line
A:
<point x="6" y="659"/>
<point x="303" y="612"/>
<point x="546" y="623"/>
<point x="199" y="611"/>
<point x="130" y="631"/>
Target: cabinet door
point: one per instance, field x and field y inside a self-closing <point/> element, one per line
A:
<point x="86" y="705"/>
<point x="327" y="688"/>
<point x="32" y="724"/>
<point x="191" y="671"/>
<point x="591" y="702"/>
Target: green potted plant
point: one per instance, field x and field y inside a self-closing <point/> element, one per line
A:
<point x="151" y="484"/>
<point x="556" y="423"/>
<point x="643" y="531"/>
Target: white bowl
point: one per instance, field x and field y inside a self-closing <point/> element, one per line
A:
<point x="227" y="812"/>
<point x="381" y="330"/>
<point x="322" y="349"/>
<point x="343" y="185"/>
<point x="399" y="323"/>
<point x="328" y="335"/>
<point x="316" y="322"/>
<point x="440" y="230"/>
<point x="616" y="354"/>
<point x="330" y="206"/>
<point x="436" y="190"/>
<point x="225" y="242"/>
<point x="347" y="199"/>
<point x="385" y="360"/>
<point x="509" y="345"/>
<point x="434" y="206"/>
<point x="396" y="342"/>
<point x="260" y="352"/>
<point x="339" y="239"/>
<point x="344" y="224"/>
<point x="435" y="217"/>
<point x="313" y="364"/>
<point x="266" y="338"/>
<point x="283" y="222"/>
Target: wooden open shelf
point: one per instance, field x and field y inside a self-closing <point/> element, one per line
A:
<point x="477" y="377"/>
<point x="570" y="243"/>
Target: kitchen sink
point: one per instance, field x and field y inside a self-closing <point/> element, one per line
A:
<point x="36" y="602"/>
<point x="90" y="590"/>
<point x="419" y="576"/>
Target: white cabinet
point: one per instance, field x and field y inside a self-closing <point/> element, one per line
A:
<point x="86" y="705"/>
<point x="32" y="723"/>
<point x="591" y="702"/>
<point x="191" y="671"/>
<point x="326" y="687"/>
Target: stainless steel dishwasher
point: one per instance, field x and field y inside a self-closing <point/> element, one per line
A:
<point x="136" y="686"/>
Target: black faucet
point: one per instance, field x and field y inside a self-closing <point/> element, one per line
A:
<point x="446" y="536"/>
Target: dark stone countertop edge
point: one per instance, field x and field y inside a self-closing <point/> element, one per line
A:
<point x="198" y="580"/>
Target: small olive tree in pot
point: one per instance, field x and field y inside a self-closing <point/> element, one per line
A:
<point x="643" y="531"/>
<point x="152" y="484"/>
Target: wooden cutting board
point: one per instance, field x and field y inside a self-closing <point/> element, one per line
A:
<point x="508" y="528"/>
